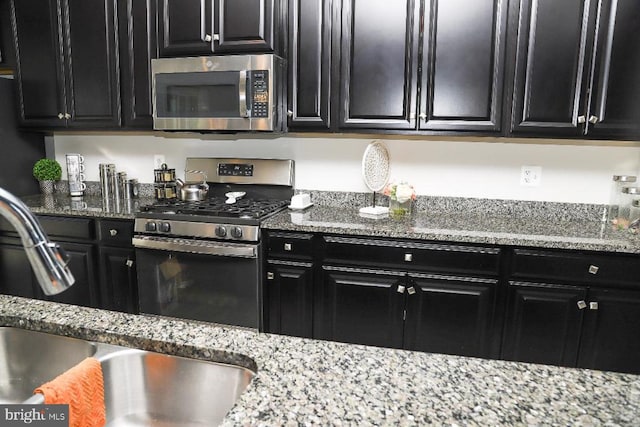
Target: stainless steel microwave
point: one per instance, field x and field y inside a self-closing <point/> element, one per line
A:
<point x="227" y="93"/>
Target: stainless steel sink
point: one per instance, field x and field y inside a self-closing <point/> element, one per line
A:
<point x="151" y="389"/>
<point x="28" y="359"/>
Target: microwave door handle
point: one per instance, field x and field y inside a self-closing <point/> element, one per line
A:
<point x="244" y="101"/>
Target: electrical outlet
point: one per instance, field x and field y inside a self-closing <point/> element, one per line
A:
<point x="158" y="160"/>
<point x="530" y="176"/>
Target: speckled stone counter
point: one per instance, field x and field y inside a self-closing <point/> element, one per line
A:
<point x="307" y="382"/>
<point x="495" y="229"/>
<point x="94" y="206"/>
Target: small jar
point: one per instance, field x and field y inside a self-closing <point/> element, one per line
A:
<point x="617" y="196"/>
<point x="623" y="219"/>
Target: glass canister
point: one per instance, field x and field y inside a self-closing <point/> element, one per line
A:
<point x="617" y="197"/>
<point x="623" y="219"/>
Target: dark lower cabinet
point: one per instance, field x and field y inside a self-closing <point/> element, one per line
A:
<point x="288" y="293"/>
<point x="16" y="276"/>
<point x="85" y="291"/>
<point x="452" y="315"/>
<point x="361" y="307"/>
<point x="118" y="283"/>
<point x="610" y="332"/>
<point x="543" y="323"/>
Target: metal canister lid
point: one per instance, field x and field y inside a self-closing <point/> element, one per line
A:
<point x="624" y="178"/>
<point x="631" y="190"/>
<point x="636" y="203"/>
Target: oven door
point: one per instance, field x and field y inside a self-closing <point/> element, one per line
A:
<point x="207" y="281"/>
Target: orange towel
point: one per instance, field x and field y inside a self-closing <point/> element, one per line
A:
<point x="82" y="388"/>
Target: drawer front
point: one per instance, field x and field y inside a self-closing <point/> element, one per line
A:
<point x="116" y="232"/>
<point x="576" y="267"/>
<point x="58" y="227"/>
<point x="408" y="255"/>
<point x="290" y="245"/>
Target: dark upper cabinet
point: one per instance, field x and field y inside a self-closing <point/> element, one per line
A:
<point x="67" y="63"/>
<point x="200" y="27"/>
<point x="463" y="65"/>
<point x="614" y="108"/>
<point x="137" y="38"/>
<point x="551" y="66"/>
<point x="309" y="63"/>
<point x="379" y="64"/>
<point x="7" y="58"/>
<point x="577" y="68"/>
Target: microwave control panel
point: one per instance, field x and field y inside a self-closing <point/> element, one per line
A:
<point x="260" y="93"/>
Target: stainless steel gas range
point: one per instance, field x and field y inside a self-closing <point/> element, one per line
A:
<point x="201" y="260"/>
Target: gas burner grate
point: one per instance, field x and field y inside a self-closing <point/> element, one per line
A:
<point x="243" y="208"/>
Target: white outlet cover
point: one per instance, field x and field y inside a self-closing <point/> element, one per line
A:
<point x="531" y="176"/>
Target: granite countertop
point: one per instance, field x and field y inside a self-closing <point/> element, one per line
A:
<point x="481" y="225"/>
<point x="470" y="227"/>
<point x="308" y="382"/>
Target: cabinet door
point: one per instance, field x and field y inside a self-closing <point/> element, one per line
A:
<point x="16" y="275"/>
<point x="92" y="69"/>
<point x="615" y="109"/>
<point x="85" y="291"/>
<point x="310" y="24"/>
<point x="610" y="334"/>
<point x="463" y="65"/>
<point x="244" y="26"/>
<point x="361" y="307"/>
<point x="543" y="323"/>
<point x="40" y="77"/>
<point x="552" y="66"/>
<point x="451" y="315"/>
<point x="137" y="31"/>
<point x="289" y="298"/>
<point x="118" y="279"/>
<point x="379" y="58"/>
<point x="184" y="27"/>
<point x="7" y="59"/>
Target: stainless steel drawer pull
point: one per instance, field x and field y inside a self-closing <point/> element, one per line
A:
<point x="287" y="246"/>
<point x="113" y="232"/>
<point x="129" y="263"/>
<point x="593" y="269"/>
<point x="411" y="290"/>
<point x="582" y="305"/>
<point x="400" y="289"/>
<point x="270" y="276"/>
<point x="408" y="257"/>
<point x="593" y="305"/>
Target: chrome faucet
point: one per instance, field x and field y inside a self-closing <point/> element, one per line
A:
<point x="48" y="260"/>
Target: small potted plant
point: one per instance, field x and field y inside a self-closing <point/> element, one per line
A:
<point x="47" y="172"/>
<point x="401" y="195"/>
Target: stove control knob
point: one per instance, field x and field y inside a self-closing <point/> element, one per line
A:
<point x="221" y="231"/>
<point x="151" y="226"/>
<point x="236" y="232"/>
<point x="165" y="227"/>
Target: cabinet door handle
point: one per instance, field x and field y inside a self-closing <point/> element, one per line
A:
<point x="129" y="263"/>
<point x="67" y="115"/>
<point x="113" y="232"/>
<point x="61" y="116"/>
<point x="411" y="290"/>
<point x="289" y="113"/>
<point x="400" y="289"/>
<point x="582" y="305"/>
<point x="423" y="116"/>
<point x="270" y="276"/>
<point x="208" y="38"/>
<point x="408" y="257"/>
<point x="594" y="119"/>
<point x="593" y="269"/>
<point x="288" y="247"/>
<point x="582" y="119"/>
<point x="593" y="305"/>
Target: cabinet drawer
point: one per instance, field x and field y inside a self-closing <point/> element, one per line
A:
<point x="290" y="245"/>
<point x="68" y="227"/>
<point x="115" y="233"/>
<point x="577" y="267"/>
<point x="409" y="255"/>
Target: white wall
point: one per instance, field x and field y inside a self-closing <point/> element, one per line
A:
<point x="485" y="168"/>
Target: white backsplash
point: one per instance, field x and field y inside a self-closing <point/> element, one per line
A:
<point x="457" y="168"/>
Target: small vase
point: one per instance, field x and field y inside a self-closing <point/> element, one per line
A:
<point x="47" y="187"/>
<point x="399" y="209"/>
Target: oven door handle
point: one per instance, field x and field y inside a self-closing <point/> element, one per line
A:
<point x="196" y="246"/>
